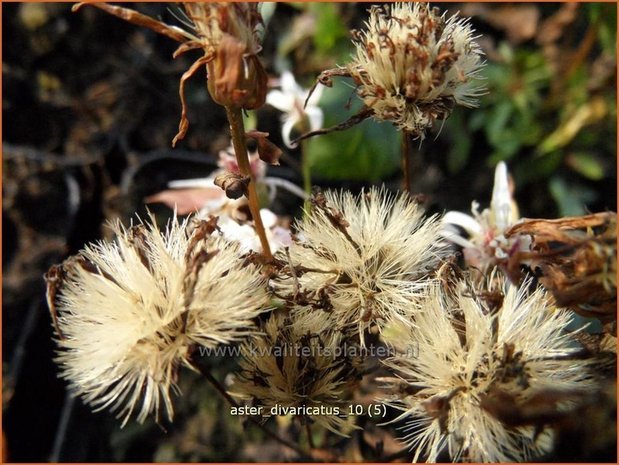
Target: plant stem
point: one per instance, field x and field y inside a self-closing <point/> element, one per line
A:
<point x="237" y="131"/>
<point x="406" y="161"/>
<point x="310" y="439"/>
<point x="221" y="390"/>
<point x="307" y="175"/>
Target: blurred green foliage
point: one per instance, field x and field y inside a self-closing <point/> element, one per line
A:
<point x="368" y="151"/>
<point x="552" y="120"/>
<point x="549" y="111"/>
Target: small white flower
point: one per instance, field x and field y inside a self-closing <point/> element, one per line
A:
<point x="246" y="236"/>
<point x="466" y="353"/>
<point x="487" y="245"/>
<point x="130" y="310"/>
<point x="203" y="196"/>
<point x="291" y="100"/>
<point x="366" y="256"/>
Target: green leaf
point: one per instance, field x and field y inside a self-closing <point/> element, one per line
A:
<point x="605" y="15"/>
<point x="586" y="164"/>
<point x="537" y="168"/>
<point x="368" y="151"/>
<point x="329" y="26"/>
<point x="497" y="121"/>
<point x="460" y="142"/>
<point x="571" y="199"/>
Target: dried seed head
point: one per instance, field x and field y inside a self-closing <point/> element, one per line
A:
<point x="298" y="362"/>
<point x="230" y="34"/>
<point x="413" y="65"/>
<point x="479" y="371"/>
<point x="130" y="311"/>
<point x="365" y="258"/>
<point x="583" y="276"/>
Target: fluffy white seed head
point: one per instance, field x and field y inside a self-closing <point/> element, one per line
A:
<point x="130" y="310"/>
<point x="413" y="65"/>
<point x="470" y="353"/>
<point x="363" y="258"/>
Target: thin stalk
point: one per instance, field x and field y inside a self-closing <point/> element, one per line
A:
<point x="221" y="390"/>
<point x="306" y="173"/>
<point x="237" y="131"/>
<point x="310" y="439"/>
<point x="406" y="161"/>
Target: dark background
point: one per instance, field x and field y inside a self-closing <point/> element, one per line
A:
<point x="90" y="106"/>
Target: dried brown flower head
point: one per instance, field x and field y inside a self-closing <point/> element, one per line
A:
<point x="577" y="258"/>
<point x="229" y="35"/>
<point x="299" y="362"/>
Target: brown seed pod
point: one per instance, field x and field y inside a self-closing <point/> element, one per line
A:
<point x="235" y="185"/>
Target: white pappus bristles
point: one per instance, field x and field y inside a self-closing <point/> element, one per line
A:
<point x="130" y="310"/>
<point x="474" y="362"/>
<point x="412" y="65"/>
<point x="362" y="258"/>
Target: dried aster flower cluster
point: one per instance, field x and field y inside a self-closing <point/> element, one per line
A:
<point x="230" y="35"/>
<point x="362" y="258"/>
<point x="482" y="365"/>
<point x="130" y="311"/>
<point x="488" y="375"/>
<point x="298" y="364"/>
<point x="412" y="66"/>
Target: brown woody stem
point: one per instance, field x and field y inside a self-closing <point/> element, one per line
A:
<point x="237" y="131"/>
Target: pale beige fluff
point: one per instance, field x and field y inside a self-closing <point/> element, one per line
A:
<point x="128" y="319"/>
<point x="460" y="367"/>
<point x="413" y="65"/>
<point x="298" y="361"/>
<point x="376" y="273"/>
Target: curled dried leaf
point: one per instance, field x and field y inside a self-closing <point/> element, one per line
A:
<point x="577" y="258"/>
<point x="267" y="150"/>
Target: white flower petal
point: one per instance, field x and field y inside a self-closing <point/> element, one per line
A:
<point x="289" y="84"/>
<point x="315" y="117"/>
<point x="501" y="203"/>
<point x="269" y="219"/>
<point x="280" y="100"/>
<point x="315" y="97"/>
<point x="287" y="127"/>
<point x="453" y="236"/>
<point x="189" y="183"/>
<point x="466" y="222"/>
